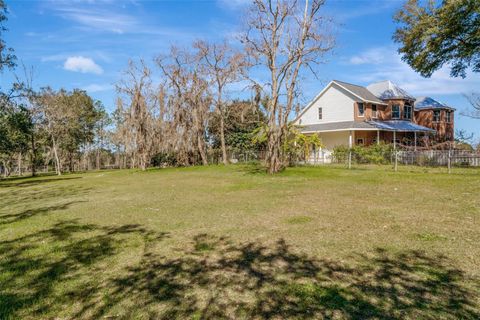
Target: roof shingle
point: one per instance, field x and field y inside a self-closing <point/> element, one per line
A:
<point x="360" y="91"/>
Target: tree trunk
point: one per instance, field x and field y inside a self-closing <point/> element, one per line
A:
<point x="222" y="140"/>
<point x="19" y="163"/>
<point x="274" y="157"/>
<point x="201" y="150"/>
<point x="98" y="159"/>
<point x="143" y="162"/>
<point x="33" y="156"/>
<point x="5" y="169"/>
<point x="70" y="160"/>
<point x="57" y="160"/>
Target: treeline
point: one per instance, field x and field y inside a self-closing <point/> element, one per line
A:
<point x="179" y="121"/>
<point x="69" y="131"/>
<point x="177" y="110"/>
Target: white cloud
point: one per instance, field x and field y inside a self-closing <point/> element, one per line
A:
<point x="98" y="19"/>
<point x="94" y="87"/>
<point x="372" y="56"/>
<point x="384" y="63"/>
<point x="82" y="64"/>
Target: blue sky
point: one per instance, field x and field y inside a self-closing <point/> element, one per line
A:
<point x="87" y="43"/>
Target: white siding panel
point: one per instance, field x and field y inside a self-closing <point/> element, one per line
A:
<point x="336" y="103"/>
<point x="333" y="139"/>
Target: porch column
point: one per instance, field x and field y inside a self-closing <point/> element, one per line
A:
<point x="350" y="143"/>
<point x="378" y="137"/>
<point x="415" y="141"/>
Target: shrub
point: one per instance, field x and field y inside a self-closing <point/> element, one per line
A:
<point x="164" y="159"/>
<point x="375" y="154"/>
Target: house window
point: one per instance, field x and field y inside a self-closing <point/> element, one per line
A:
<point x="436" y="115"/>
<point x="396" y="111"/>
<point x="407" y="112"/>
<point x="374" y="111"/>
<point x="449" y="116"/>
<point x="320" y="113"/>
<point x="300" y="122"/>
<point x="360" y="141"/>
<point x="361" y="110"/>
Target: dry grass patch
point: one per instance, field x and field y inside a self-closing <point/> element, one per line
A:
<point x="235" y="243"/>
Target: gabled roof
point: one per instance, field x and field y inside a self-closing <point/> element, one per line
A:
<point x="359" y="91"/>
<point x="337" y="126"/>
<point x="388" y="90"/>
<point x="430" y="103"/>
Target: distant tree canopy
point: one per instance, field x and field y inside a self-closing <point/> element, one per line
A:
<point x="15" y="128"/>
<point x="7" y="57"/>
<point x="433" y="35"/>
<point x="241" y="119"/>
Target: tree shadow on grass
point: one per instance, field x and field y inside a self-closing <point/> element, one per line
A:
<point x="30" y="181"/>
<point x="52" y="269"/>
<point x="23" y="203"/>
<point x="216" y="278"/>
<point x="9" y="218"/>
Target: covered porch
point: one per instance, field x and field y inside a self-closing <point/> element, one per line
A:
<point x="365" y="133"/>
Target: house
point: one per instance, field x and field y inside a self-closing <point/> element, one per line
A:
<point x="347" y="114"/>
<point x="435" y="115"/>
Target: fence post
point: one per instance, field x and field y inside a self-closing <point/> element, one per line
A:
<point x="395" y="149"/>
<point x="449" y="161"/>
<point x="396" y="160"/>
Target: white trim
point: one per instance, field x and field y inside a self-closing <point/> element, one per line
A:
<point x="347" y="129"/>
<point x="365" y="129"/>
<point x="325" y="89"/>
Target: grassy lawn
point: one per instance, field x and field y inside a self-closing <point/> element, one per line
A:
<point x="232" y="242"/>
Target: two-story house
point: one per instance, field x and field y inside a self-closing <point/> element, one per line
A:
<point x="435" y="115"/>
<point x="347" y="114"/>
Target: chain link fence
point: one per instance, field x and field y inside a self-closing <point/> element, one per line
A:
<point x="387" y="155"/>
<point x="342" y="155"/>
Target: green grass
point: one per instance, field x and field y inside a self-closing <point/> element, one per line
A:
<point x="232" y="242"/>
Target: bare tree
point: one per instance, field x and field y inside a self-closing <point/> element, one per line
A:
<point x="52" y="113"/>
<point x="474" y="100"/>
<point x="135" y="103"/>
<point x="223" y="66"/>
<point x="285" y="37"/>
<point x="188" y="104"/>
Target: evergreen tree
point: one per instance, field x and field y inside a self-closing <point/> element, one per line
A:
<point x="434" y="35"/>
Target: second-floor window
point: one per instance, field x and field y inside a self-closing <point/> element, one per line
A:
<point x="320" y="113"/>
<point x="449" y="116"/>
<point x="407" y="112"/>
<point x="361" y="110"/>
<point x="396" y="111"/>
<point x="436" y="115"/>
<point x="374" y="111"/>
